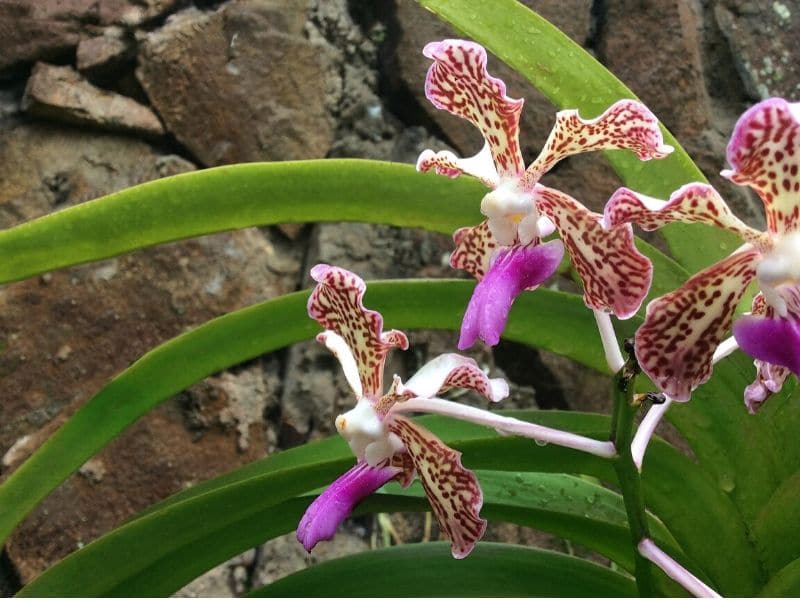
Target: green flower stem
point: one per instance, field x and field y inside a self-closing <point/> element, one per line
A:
<point x="625" y="409"/>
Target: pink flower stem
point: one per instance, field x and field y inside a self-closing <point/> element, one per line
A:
<point x="675" y="570"/>
<point x="609" y="339"/>
<point x="507" y="425"/>
<point x="645" y="431"/>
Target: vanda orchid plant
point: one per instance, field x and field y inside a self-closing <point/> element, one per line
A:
<point x="714" y="514"/>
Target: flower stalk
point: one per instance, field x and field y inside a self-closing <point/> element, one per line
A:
<point x="625" y="409"/>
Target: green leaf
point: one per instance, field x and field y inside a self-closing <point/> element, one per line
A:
<point x="492" y="570"/>
<point x="785" y="583"/>
<point x="567" y="506"/>
<point x="571" y="78"/>
<point x="777" y="526"/>
<point x="164" y="550"/>
<point x="235" y="511"/>
<point x="237" y="196"/>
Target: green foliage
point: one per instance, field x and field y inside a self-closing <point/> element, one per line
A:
<point x="740" y="492"/>
<point x="492" y="570"/>
<point x="234" y="197"/>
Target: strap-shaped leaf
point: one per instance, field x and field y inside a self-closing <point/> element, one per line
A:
<point x="237" y="196"/>
<point x="492" y="570"/>
<point x="571" y="78"/>
<point x="170" y="546"/>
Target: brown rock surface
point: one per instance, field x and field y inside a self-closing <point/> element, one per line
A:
<point x="242" y="84"/>
<point x="66" y="334"/>
<point x="636" y="43"/>
<point x="104" y="53"/>
<point x="32" y="30"/>
<point x="25" y="38"/>
<point x="61" y="94"/>
<point x="763" y="40"/>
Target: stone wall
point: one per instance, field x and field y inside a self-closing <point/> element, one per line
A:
<point x="96" y="96"/>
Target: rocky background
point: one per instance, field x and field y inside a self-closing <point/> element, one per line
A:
<point x="98" y="95"/>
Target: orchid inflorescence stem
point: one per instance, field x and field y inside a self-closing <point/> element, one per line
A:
<point x="628" y="473"/>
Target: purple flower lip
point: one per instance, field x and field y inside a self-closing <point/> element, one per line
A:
<point x="514" y="269"/>
<point x="323" y="517"/>
<point x="772" y="340"/>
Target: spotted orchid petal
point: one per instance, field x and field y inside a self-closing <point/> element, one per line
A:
<point x="334" y="505"/>
<point x="625" y="125"/>
<point x="459" y="83"/>
<point x="675" y="345"/>
<point x="474" y="249"/>
<point x="513" y="270"/>
<point x="615" y="275"/>
<point x="444" y="162"/>
<point x="337" y="304"/>
<point x="763" y="153"/>
<point x="691" y="203"/>
<point x="448" y="371"/>
<point x="452" y="490"/>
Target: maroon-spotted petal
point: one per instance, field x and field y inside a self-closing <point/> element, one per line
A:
<point x="444" y="162"/>
<point x="474" y="249"/>
<point x="334" y="505"/>
<point x="764" y="152"/>
<point x="615" y="275"/>
<point x="337" y="304"/>
<point x="675" y="344"/>
<point x="625" y="125"/>
<point x="452" y="490"/>
<point x="459" y="83"/>
<point x="691" y="203"/>
<point x="448" y="371"/>
<point x="514" y="269"/>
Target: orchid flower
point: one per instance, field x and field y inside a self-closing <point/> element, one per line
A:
<point x="677" y="344"/>
<point x="386" y="444"/>
<point x="505" y="252"/>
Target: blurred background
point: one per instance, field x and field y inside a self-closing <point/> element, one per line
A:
<point x="99" y="95"/>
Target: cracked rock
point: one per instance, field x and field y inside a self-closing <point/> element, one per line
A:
<point x="763" y="40"/>
<point x="105" y="53"/>
<point x="243" y="83"/>
<point x="61" y="94"/>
